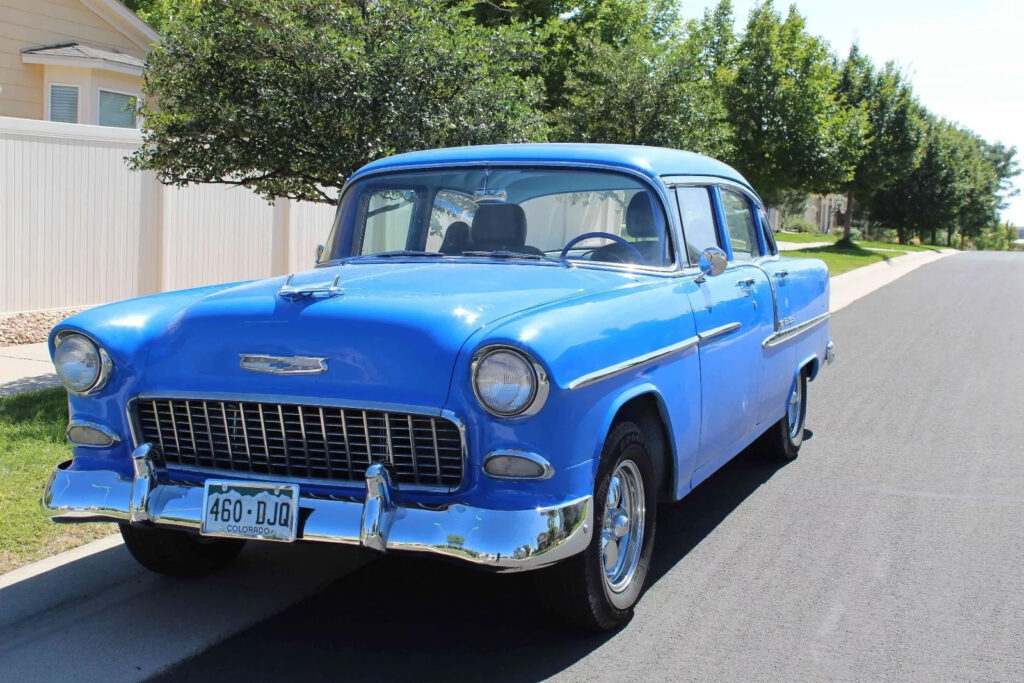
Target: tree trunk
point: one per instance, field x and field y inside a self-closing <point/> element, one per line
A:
<point x="949" y="236"/>
<point x="899" y="235"/>
<point x="848" y="218"/>
<point x="933" y="234"/>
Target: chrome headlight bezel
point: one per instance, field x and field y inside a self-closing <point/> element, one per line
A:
<point x="538" y="377"/>
<point x="106" y="365"/>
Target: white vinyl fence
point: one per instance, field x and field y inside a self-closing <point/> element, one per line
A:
<point x="77" y="228"/>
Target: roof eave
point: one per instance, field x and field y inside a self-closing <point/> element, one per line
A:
<point x="125" y="20"/>
<point x="80" y="62"/>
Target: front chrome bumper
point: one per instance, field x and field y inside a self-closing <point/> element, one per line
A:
<point x="506" y="540"/>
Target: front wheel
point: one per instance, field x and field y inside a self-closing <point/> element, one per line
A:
<point x="598" y="588"/>
<point x="179" y="553"/>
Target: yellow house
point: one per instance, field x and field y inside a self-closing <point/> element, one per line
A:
<point x="74" y="61"/>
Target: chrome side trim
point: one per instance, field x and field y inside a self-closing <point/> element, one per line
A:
<point x="88" y="424"/>
<point x="830" y="353"/>
<point x="718" y="331"/>
<point x="547" y="470"/>
<point x="626" y="366"/>
<point x="783" y="336"/>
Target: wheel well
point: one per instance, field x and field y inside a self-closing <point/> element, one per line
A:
<point x="810" y="366"/>
<point x="645" y="411"/>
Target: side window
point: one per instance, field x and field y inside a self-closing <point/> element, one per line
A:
<point x="698" y="221"/>
<point x="450" y="218"/>
<point x="766" y="230"/>
<point x="739" y="220"/>
<point x="388" y="216"/>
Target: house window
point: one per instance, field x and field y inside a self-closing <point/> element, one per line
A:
<point x="64" y="103"/>
<point x="117" y="109"/>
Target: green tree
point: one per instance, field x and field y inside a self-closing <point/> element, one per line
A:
<point x="790" y="132"/>
<point x="289" y="97"/>
<point x="895" y="130"/>
<point x="649" y="88"/>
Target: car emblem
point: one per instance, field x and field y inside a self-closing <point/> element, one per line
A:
<point x="284" y="365"/>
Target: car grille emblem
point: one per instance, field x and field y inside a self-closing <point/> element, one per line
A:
<point x="284" y="365"/>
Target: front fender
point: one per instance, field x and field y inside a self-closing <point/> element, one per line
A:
<point x="575" y="339"/>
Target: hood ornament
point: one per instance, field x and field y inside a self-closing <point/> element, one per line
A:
<point x="283" y="365"/>
<point x="318" y="290"/>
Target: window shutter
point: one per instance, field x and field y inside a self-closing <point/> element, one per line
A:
<point x="117" y="110"/>
<point x="64" y="103"/>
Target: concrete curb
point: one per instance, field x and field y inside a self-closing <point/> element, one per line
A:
<point x="46" y="564"/>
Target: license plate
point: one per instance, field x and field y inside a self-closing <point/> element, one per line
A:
<point x="267" y="512"/>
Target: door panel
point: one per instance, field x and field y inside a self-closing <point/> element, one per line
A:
<point x="731" y="362"/>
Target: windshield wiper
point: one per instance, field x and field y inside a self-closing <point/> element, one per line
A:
<point x="400" y="253"/>
<point x="504" y="253"/>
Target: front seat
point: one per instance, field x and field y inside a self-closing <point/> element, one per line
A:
<point x="642" y="224"/>
<point x="456" y="237"/>
<point x="500" y="227"/>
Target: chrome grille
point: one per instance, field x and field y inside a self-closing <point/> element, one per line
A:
<point x="301" y="441"/>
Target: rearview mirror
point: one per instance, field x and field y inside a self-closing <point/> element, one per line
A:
<point x="712" y="262"/>
<point x="319" y="252"/>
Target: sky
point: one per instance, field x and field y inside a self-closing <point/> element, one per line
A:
<point x="966" y="59"/>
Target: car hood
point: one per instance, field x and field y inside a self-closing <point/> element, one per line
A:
<point x="391" y="336"/>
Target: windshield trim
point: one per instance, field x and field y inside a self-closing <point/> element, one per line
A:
<point x="653" y="183"/>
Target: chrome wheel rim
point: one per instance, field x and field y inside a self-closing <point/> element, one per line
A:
<point x="623" y="529"/>
<point x="796" y="402"/>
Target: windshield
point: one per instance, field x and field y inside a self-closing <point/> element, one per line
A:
<point x="506" y="213"/>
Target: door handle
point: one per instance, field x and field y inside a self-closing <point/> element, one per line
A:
<point x="749" y="282"/>
<point x="782" y="273"/>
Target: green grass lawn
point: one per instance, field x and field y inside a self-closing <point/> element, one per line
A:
<point x="32" y="427"/>
<point x="804" y="237"/>
<point x="843" y="259"/>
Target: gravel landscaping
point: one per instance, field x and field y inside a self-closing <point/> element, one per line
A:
<point x="31" y="328"/>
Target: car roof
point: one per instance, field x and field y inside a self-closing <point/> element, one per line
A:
<point x="650" y="161"/>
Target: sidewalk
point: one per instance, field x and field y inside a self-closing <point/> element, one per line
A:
<point x="796" y="246"/>
<point x="25" y="368"/>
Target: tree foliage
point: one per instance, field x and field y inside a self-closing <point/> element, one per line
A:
<point x="289" y="97"/>
<point x="789" y="130"/>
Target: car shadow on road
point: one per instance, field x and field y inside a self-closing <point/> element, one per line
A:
<point x="403" y="618"/>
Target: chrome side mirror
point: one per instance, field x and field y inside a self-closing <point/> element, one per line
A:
<point x="712" y="262"/>
<point x="319" y="252"/>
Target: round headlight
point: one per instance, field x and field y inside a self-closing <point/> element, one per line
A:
<point x="80" y="364"/>
<point x="507" y="383"/>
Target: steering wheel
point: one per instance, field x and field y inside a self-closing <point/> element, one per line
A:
<point x="607" y="235"/>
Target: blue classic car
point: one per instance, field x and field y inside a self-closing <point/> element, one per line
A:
<point x="505" y="355"/>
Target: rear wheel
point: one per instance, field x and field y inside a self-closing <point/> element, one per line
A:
<point x="179" y="553"/>
<point x="598" y="588"/>
<point x="784" y="438"/>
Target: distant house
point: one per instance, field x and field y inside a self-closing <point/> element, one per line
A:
<point x="73" y="61"/>
<point x="825" y="211"/>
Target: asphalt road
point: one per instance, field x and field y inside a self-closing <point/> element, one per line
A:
<point x="892" y="548"/>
